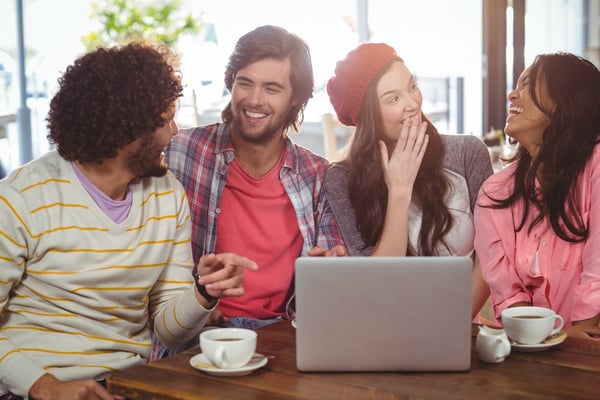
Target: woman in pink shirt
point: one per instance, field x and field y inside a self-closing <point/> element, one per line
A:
<point x="537" y="222"/>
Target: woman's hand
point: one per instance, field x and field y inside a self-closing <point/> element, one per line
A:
<point x="401" y="168"/>
<point x="399" y="172"/>
<point x="585" y="329"/>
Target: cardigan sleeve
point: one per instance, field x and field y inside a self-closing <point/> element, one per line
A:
<point x="468" y="156"/>
<point x="336" y="190"/>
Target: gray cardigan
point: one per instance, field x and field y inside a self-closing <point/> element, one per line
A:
<point x="466" y="155"/>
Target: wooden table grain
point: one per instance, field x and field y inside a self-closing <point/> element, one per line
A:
<point x="570" y="370"/>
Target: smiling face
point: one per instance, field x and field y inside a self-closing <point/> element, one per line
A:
<point x="526" y="122"/>
<point x="261" y="98"/>
<point x="399" y="99"/>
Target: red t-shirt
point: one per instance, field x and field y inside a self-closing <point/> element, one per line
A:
<point x="257" y="220"/>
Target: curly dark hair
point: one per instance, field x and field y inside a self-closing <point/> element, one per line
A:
<point x="368" y="190"/>
<point x="110" y="97"/>
<point x="274" y="42"/>
<point x="573" y="83"/>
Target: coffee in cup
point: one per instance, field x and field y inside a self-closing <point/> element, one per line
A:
<point x="228" y="348"/>
<point x="530" y="324"/>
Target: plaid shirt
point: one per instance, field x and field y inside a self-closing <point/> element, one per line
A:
<point x="200" y="157"/>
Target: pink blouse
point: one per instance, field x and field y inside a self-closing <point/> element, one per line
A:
<point x="539" y="267"/>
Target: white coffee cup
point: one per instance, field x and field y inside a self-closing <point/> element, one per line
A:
<point x="228" y="348"/>
<point x="492" y="344"/>
<point x="530" y="324"/>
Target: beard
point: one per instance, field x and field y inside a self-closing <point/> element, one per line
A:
<point x="271" y="131"/>
<point x="147" y="160"/>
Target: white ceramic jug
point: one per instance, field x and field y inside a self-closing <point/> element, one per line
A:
<point x="492" y="344"/>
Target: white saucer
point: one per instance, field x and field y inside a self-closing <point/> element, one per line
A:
<point x="199" y="361"/>
<point x="540" y="346"/>
<point x="294" y="322"/>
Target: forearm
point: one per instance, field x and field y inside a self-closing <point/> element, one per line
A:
<point x="181" y="319"/>
<point x="480" y="289"/>
<point x="394" y="235"/>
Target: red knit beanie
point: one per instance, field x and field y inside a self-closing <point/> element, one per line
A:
<point x="353" y="74"/>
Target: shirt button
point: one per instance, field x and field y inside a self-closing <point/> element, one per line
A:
<point x="218" y="210"/>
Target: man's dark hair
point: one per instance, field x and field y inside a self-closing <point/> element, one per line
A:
<point x="274" y="42"/>
<point x="110" y="97"/>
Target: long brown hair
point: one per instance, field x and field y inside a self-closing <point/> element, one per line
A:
<point x="274" y="42"/>
<point x="368" y="191"/>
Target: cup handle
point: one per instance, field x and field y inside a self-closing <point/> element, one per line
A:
<point x="220" y="359"/>
<point x="560" y="325"/>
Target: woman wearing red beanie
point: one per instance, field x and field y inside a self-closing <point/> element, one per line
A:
<point x="403" y="189"/>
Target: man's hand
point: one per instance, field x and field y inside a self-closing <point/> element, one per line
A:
<point x="48" y="387"/>
<point x="217" y="319"/>
<point x="222" y="275"/>
<point x="337" y="251"/>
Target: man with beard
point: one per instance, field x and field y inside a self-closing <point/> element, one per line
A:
<point x="95" y="248"/>
<point x="252" y="191"/>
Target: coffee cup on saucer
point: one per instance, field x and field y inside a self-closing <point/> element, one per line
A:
<point x="530" y="325"/>
<point x="228" y="348"/>
<point x="492" y="344"/>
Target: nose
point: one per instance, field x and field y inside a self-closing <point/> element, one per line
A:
<point x="255" y="95"/>
<point x="411" y="104"/>
<point x="512" y="94"/>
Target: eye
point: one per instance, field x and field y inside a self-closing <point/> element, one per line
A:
<point x="242" y="84"/>
<point x="273" y="89"/>
<point x="393" y="99"/>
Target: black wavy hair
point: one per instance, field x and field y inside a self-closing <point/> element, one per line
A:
<point x="573" y="84"/>
<point x="111" y="97"/>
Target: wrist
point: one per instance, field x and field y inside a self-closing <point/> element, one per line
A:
<point x="202" y="289"/>
<point x="42" y="387"/>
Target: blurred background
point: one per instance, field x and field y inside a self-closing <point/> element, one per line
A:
<point x="465" y="53"/>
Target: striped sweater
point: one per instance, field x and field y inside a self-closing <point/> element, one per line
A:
<point x="79" y="294"/>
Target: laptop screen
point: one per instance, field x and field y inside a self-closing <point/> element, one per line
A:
<point x="383" y="313"/>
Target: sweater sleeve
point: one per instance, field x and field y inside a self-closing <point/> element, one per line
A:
<point x="17" y="371"/>
<point x="468" y="156"/>
<point x="495" y="244"/>
<point x="336" y="191"/>
<point x="177" y="316"/>
<point x="586" y="295"/>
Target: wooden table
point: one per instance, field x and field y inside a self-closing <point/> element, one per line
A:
<point x="570" y="370"/>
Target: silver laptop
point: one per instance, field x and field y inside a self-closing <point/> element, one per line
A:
<point x="383" y="313"/>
